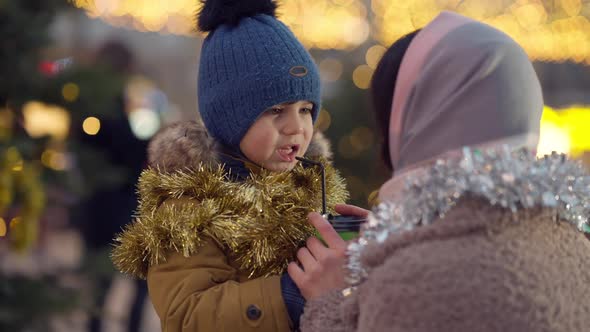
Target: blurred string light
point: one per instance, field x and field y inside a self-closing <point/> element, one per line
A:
<point x="373" y="55"/>
<point x="565" y="131"/>
<point x="54" y="159"/>
<point x="548" y="30"/>
<point x="46" y="120"/>
<point x="324" y="121"/>
<point x="91" y="125"/>
<point x="172" y="16"/>
<point x="144" y="104"/>
<point x="144" y="122"/>
<point x="323" y="24"/>
<point x="362" y="75"/>
<point x="2" y="227"/>
<point x="70" y="92"/>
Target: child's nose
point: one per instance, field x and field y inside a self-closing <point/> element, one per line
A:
<point x="293" y="125"/>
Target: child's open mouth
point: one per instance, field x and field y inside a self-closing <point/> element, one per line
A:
<point x="288" y="152"/>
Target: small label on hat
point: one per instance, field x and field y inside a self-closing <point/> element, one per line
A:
<point x="298" y="71"/>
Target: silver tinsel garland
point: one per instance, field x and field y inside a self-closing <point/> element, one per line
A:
<point x="512" y="179"/>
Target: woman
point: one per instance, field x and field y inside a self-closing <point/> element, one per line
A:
<point x="485" y="238"/>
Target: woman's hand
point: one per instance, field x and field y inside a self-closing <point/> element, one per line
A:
<point x="351" y="210"/>
<point x="320" y="268"/>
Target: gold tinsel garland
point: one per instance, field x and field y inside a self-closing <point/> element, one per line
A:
<point x="20" y="189"/>
<point x="261" y="221"/>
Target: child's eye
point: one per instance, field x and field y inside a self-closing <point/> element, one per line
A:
<point x="275" y="110"/>
<point x="305" y="110"/>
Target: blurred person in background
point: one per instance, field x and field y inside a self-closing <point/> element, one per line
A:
<point x="107" y="209"/>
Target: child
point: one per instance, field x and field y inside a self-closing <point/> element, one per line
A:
<point x="223" y="207"/>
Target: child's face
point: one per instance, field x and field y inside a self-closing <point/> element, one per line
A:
<point x="280" y="134"/>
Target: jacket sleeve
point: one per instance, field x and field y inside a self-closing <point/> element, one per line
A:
<point x="202" y="293"/>
<point x="294" y="301"/>
<point x="332" y="312"/>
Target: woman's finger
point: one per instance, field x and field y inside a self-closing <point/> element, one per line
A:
<point x="327" y="232"/>
<point x="351" y="210"/>
<point x="316" y="247"/>
<point x="306" y="258"/>
<point x="296" y="273"/>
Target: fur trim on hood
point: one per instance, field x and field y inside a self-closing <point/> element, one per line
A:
<point x="187" y="144"/>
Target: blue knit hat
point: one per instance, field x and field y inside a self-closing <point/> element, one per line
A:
<point x="250" y="61"/>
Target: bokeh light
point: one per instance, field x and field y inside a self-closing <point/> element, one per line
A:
<point x="324" y="121"/>
<point x="54" y="159"/>
<point x="91" y="125"/>
<point x="565" y="131"/>
<point x="70" y="92"/>
<point x="329" y="24"/>
<point x="46" y="120"/>
<point x="3" y="228"/>
<point x="547" y="30"/>
<point x="330" y="69"/>
<point x="361" y="76"/>
<point x="374" y="54"/>
<point x="144" y="122"/>
<point x="15" y="222"/>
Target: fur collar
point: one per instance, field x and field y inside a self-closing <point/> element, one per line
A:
<point x="514" y="180"/>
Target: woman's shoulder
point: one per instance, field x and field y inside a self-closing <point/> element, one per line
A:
<point x="480" y="192"/>
<point x="470" y="267"/>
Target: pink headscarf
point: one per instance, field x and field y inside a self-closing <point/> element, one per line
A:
<point x="461" y="83"/>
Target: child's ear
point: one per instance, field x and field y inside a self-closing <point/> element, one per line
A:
<point x="319" y="146"/>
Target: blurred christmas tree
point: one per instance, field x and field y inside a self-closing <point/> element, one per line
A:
<point x="23" y="27"/>
<point x="35" y="153"/>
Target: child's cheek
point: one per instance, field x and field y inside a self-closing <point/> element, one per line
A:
<point x="266" y="143"/>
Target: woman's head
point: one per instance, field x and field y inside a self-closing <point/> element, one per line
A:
<point x="460" y="82"/>
<point x="382" y="85"/>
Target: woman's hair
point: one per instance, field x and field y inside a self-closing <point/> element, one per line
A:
<point x="382" y="88"/>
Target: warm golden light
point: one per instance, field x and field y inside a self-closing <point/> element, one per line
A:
<point x="547" y="30"/>
<point x="324" y="121"/>
<point x="374" y="55"/>
<point x="70" y="92"/>
<point x="15" y="222"/>
<point x="565" y="131"/>
<point x="3" y="228"/>
<point x="361" y="76"/>
<point x="54" y="159"/>
<point x="18" y="166"/>
<point x="46" y="120"/>
<point x="324" y="24"/>
<point x="91" y="125"/>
